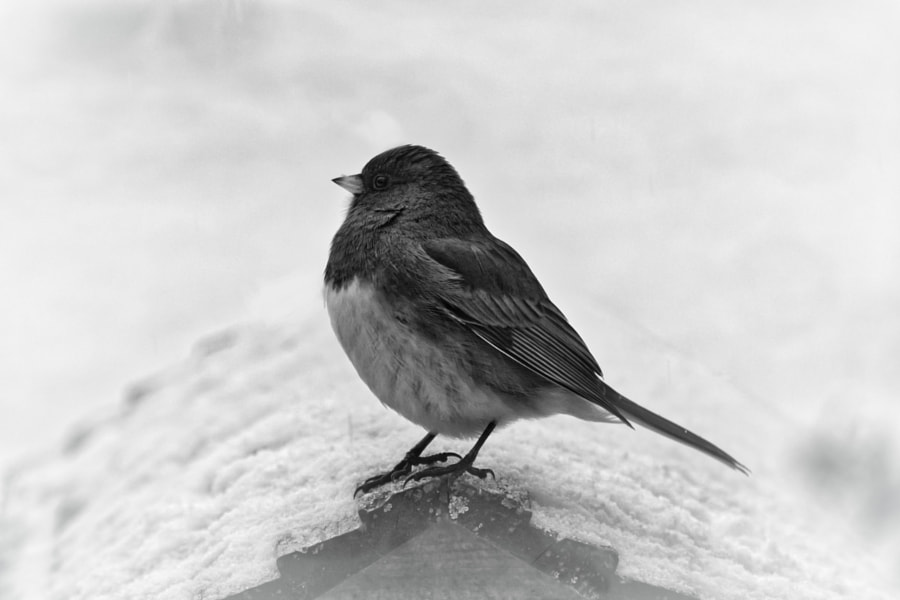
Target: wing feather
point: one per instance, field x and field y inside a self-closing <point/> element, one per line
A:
<point x="497" y="297"/>
<point x="517" y="318"/>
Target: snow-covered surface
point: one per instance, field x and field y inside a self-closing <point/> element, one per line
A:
<point x="709" y="191"/>
<point x="252" y="448"/>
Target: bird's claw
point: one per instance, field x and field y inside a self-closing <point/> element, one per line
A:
<point x="433" y="458"/>
<point x="373" y="482"/>
<point x="403" y="469"/>
<point x="453" y="471"/>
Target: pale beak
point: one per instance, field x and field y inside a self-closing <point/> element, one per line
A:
<point x="351" y="183"/>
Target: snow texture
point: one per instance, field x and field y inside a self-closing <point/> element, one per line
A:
<point x="252" y="448"/>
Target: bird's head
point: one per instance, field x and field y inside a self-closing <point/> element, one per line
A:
<point x="413" y="183"/>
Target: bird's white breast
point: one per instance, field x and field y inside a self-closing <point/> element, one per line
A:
<point x="426" y="383"/>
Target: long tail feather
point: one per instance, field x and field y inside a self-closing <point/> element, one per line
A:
<point x="661" y="425"/>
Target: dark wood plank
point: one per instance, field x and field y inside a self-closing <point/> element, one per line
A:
<point x="449" y="561"/>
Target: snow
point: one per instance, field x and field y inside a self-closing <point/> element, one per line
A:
<point x="709" y="193"/>
<point x="252" y="448"/>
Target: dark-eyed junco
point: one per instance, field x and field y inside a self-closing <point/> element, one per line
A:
<point x="448" y="326"/>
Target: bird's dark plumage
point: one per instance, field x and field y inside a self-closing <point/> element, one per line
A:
<point x="413" y="266"/>
<point x="501" y="302"/>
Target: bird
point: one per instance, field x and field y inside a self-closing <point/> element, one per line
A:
<point x="448" y="326"/>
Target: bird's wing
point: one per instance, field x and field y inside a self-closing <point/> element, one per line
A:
<point x="500" y="300"/>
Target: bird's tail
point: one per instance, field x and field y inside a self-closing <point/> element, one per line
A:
<point x="661" y="425"/>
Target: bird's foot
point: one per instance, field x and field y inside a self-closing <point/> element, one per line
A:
<point x="464" y="465"/>
<point x="403" y="469"/>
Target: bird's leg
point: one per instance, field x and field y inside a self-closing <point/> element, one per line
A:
<point x="404" y="467"/>
<point x="463" y="465"/>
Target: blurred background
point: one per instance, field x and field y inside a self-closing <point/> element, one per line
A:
<point x="721" y="175"/>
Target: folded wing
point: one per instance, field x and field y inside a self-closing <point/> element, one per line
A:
<point x="498" y="298"/>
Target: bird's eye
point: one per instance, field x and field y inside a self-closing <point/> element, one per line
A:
<point x="380" y="182"/>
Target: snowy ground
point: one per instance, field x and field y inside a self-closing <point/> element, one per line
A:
<point x="709" y="190"/>
<point x="252" y="448"/>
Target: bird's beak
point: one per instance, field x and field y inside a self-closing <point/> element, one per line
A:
<point x="351" y="183"/>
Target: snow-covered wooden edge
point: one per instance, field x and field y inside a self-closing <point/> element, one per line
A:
<point x="482" y="541"/>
